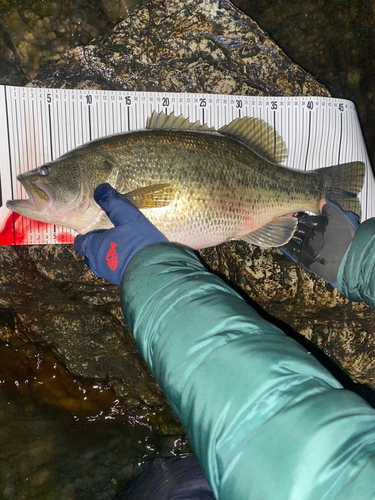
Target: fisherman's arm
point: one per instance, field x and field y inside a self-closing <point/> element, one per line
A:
<point x="356" y="274"/>
<point x="265" y="419"/>
<point x="339" y="249"/>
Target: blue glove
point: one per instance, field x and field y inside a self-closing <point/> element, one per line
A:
<point x="320" y="241"/>
<point x="108" y="251"/>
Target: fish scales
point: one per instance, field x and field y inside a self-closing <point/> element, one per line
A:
<point x="198" y="186"/>
<point x="222" y="189"/>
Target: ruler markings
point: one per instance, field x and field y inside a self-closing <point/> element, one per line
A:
<point x="308" y="138"/>
<point x="336" y="140"/>
<point x="58" y="135"/>
<point x="74" y="124"/>
<point x="321" y="124"/>
<point x="81" y="121"/>
<point x="329" y="134"/>
<point x="17" y="144"/>
<point x="24" y="117"/>
<point x="8" y="137"/>
<point x="120" y="114"/>
<point x="306" y="135"/>
<point x="274" y="133"/>
<point x="307" y="130"/>
<point x="320" y="138"/>
<point x="50" y="132"/>
<point x="289" y="126"/>
<point x="284" y="124"/>
<point x="137" y="125"/>
<point x="298" y="117"/>
<point x="295" y="133"/>
<point x="9" y="159"/>
<point x="340" y="139"/>
<point x="67" y="128"/>
<point x="42" y="145"/>
<point x="71" y="121"/>
<point x="357" y="133"/>
<point x="313" y="133"/>
<point x="347" y="148"/>
<point x="328" y="125"/>
<point x="90" y="124"/>
<point x="331" y="154"/>
<point x="36" y="130"/>
<point x="102" y="117"/>
<point x="18" y="127"/>
<point x="113" y="125"/>
<point x="340" y="134"/>
<point x="8" y="141"/>
<point x="355" y="144"/>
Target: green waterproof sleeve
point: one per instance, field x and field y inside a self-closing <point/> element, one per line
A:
<point x="356" y="275"/>
<point x="266" y="420"/>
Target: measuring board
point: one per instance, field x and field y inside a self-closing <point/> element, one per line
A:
<point x="39" y="125"/>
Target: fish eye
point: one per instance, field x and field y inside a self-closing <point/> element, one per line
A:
<point x="43" y="170"/>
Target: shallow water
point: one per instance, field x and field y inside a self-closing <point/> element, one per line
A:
<point x="64" y="439"/>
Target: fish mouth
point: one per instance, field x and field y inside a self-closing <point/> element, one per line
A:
<point x="41" y="198"/>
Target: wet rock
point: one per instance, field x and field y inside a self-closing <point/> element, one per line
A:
<point x="191" y="47"/>
<point x="54" y="300"/>
<point x="46" y="454"/>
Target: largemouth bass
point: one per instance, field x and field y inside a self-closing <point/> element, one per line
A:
<point x="200" y="187"/>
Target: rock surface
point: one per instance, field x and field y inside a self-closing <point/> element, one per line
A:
<point x="57" y="302"/>
<point x="196" y="47"/>
<point x="54" y="300"/>
<point x="332" y="40"/>
<point x="37" y="32"/>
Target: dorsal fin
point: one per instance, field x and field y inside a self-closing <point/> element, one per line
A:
<point x="161" y="121"/>
<point x="259" y="136"/>
<point x="255" y="133"/>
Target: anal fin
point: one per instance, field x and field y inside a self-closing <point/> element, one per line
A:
<point x="275" y="233"/>
<point x="154" y="196"/>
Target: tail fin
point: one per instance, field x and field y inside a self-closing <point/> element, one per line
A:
<point x="343" y="183"/>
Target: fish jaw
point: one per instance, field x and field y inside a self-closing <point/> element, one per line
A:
<point x="37" y="205"/>
<point x="80" y="221"/>
<point x="42" y="206"/>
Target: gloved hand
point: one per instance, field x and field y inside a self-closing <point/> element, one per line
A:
<point x="108" y="251"/>
<point x="320" y="241"/>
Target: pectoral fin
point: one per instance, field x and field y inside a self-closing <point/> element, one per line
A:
<point x="155" y="196"/>
<point x="273" y="234"/>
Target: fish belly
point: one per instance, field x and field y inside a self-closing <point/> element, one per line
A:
<point x="209" y="221"/>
